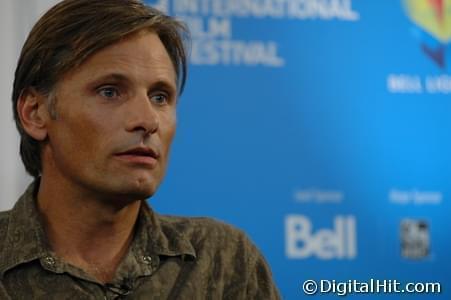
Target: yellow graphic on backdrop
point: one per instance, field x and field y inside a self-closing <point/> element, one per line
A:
<point x="434" y="16"/>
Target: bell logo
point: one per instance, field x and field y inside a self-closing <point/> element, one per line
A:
<point x="336" y="243"/>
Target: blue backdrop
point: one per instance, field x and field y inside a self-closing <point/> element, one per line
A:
<point x="321" y="128"/>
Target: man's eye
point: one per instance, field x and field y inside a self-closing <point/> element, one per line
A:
<point x="159" y="99"/>
<point x="109" y="92"/>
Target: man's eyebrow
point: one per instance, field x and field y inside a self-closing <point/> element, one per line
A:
<point x="164" y="85"/>
<point x="112" y="77"/>
<point x="159" y="84"/>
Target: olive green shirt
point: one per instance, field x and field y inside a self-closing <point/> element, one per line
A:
<point x="169" y="258"/>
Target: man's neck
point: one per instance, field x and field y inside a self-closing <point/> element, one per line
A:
<point x="87" y="232"/>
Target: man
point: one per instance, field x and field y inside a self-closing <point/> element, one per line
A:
<point x="94" y="99"/>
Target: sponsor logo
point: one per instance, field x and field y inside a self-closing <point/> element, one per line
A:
<point x="416" y="84"/>
<point x="432" y="27"/>
<point x="415" y="197"/>
<point x="302" y="242"/>
<point x="318" y="196"/>
<point x="414" y="239"/>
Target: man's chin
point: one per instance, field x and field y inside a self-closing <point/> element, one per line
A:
<point x="126" y="193"/>
<point x="141" y="195"/>
<point x="121" y="199"/>
<point x="138" y="193"/>
<point x="118" y="189"/>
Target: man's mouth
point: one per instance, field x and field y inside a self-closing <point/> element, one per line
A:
<point x="140" y="155"/>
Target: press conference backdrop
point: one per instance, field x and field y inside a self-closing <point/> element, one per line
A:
<point x="322" y="129"/>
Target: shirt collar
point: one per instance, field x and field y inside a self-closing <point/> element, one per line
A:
<point x="25" y="238"/>
<point x="160" y="237"/>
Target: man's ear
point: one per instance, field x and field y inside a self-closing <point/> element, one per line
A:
<point x="33" y="113"/>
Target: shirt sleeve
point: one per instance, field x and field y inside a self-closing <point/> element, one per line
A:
<point x="3" y="293"/>
<point x="253" y="278"/>
<point x="260" y="283"/>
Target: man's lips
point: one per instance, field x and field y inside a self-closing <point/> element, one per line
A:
<point x="140" y="155"/>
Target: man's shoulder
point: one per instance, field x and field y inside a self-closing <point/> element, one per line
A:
<point x="205" y="232"/>
<point x="4" y="217"/>
<point x="227" y="254"/>
<point x="199" y="226"/>
<point x="4" y="220"/>
<point x="4" y="214"/>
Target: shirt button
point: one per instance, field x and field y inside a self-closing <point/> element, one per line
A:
<point x="50" y="261"/>
<point x="147" y="260"/>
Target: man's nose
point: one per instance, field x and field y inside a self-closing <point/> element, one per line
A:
<point x="142" y="115"/>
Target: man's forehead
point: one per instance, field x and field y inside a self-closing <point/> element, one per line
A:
<point x="140" y="53"/>
<point x="144" y="44"/>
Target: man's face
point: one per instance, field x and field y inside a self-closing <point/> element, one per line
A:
<point x="115" y="120"/>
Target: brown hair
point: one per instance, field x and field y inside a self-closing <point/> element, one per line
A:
<point x="73" y="30"/>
